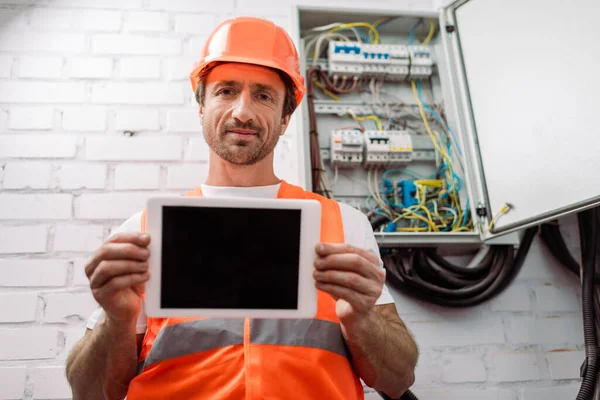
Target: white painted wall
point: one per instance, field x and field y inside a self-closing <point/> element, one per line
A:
<point x="76" y="74"/>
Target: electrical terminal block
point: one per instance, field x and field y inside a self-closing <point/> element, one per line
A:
<point x="392" y="62"/>
<point x="401" y="148"/>
<point x="387" y="148"/>
<point x="421" y="65"/>
<point x="346" y="148"/>
<point x="377" y="149"/>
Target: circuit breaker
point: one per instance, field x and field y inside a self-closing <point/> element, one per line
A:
<point x="387" y="148"/>
<point x="401" y="149"/>
<point x="346" y="148"/>
<point x="392" y="62"/>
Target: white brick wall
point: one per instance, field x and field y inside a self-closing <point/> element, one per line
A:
<point x="40" y="67"/>
<point x="137" y="176"/>
<point x="121" y="44"/>
<point x="110" y="205"/>
<point x="87" y="119"/>
<point x="76" y="74"/>
<point x="38" y="146"/>
<point x="565" y="364"/>
<point x="199" y="24"/>
<point x="147" y="21"/>
<point x="98" y="20"/>
<point x="89" y="67"/>
<point x="509" y="367"/>
<point x="69" y="237"/>
<point x="139" y="68"/>
<point x="35" y="206"/>
<point x="60" y="307"/>
<point x="23" y="239"/>
<point x="50" y="383"/>
<point x="137" y="120"/>
<point x="42" y="92"/>
<point x="31" y="273"/>
<point x="30" y="118"/>
<point x="123" y="148"/>
<point x="186" y="176"/>
<point x="13" y="382"/>
<point x="184" y="121"/>
<point x="28" y="343"/>
<point x="78" y="176"/>
<point x="458" y="368"/>
<point x="198" y="149"/>
<point x="25" y="312"/>
<point x="21" y="175"/>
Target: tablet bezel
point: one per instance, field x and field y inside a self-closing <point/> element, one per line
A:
<point x="310" y="230"/>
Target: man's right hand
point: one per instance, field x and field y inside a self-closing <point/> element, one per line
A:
<point x="118" y="272"/>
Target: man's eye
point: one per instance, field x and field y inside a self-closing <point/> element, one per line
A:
<point x="264" y="97"/>
<point x="225" y="92"/>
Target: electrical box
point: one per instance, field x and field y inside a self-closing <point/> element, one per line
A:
<point x="346" y="148"/>
<point x="446" y="121"/>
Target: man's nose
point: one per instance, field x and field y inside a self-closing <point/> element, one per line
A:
<point x="242" y="109"/>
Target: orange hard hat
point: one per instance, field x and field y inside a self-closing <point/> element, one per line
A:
<point x="252" y="41"/>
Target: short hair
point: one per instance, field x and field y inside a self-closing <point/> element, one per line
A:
<point x="289" y="101"/>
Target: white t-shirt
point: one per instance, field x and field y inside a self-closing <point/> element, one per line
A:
<point x="357" y="232"/>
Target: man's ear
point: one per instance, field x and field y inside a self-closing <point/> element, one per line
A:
<point x="201" y="111"/>
<point x="285" y="121"/>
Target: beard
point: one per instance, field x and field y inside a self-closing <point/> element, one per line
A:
<point x="240" y="152"/>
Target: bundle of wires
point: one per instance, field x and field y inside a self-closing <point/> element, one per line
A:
<point x="589" y="223"/>
<point x="425" y="275"/>
<point x="589" y="235"/>
<point x="436" y="205"/>
<point x="317" y="39"/>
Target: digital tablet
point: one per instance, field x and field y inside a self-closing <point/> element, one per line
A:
<point x="232" y="257"/>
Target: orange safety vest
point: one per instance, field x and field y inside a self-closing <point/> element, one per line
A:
<point x="251" y="359"/>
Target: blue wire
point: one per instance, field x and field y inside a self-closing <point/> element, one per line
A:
<point x="362" y="35"/>
<point x="466" y="214"/>
<point x="411" y="38"/>
<point x="436" y="116"/>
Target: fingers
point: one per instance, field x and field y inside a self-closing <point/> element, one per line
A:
<point x="116" y="251"/>
<point x="326" y="249"/>
<point x="349" y="280"/>
<point x="358" y="301"/>
<point x="139" y="238"/>
<point x="120" y="282"/>
<point x="107" y="270"/>
<point x="351" y="262"/>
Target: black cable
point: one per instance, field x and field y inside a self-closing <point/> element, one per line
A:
<point x="408" y="395"/>
<point x="555" y="243"/>
<point x="588" y="234"/>
<point x="410" y="273"/>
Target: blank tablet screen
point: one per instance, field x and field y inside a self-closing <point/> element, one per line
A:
<point x="215" y="257"/>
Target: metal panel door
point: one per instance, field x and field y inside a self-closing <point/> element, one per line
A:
<point x="528" y="78"/>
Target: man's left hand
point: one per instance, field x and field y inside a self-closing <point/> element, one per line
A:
<point x="352" y="276"/>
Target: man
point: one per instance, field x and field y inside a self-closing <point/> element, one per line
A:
<point x="247" y="84"/>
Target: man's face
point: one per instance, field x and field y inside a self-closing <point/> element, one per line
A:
<point x="242" y="112"/>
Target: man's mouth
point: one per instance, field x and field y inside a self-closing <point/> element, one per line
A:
<point x="246" y="132"/>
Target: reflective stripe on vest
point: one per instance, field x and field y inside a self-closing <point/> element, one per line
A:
<point x="251" y="359"/>
<point x="196" y="336"/>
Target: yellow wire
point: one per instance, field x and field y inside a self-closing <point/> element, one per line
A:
<point x="356" y="24"/>
<point x="442" y="153"/>
<point x="505" y="208"/>
<point x="431" y="32"/>
<point x="327" y="92"/>
<point x="429" y="182"/>
<point x="373" y="118"/>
